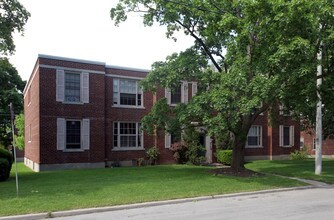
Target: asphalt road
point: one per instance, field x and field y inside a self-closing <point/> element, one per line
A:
<point x="314" y="203"/>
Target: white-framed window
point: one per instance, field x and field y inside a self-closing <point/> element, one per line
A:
<point x="178" y="94"/>
<point x="128" y="136"/>
<point x="172" y="138"/>
<point x="72" y="86"/>
<point x="302" y="143"/>
<point x="73" y="134"/>
<point x="286" y="136"/>
<point x="127" y="92"/>
<point x="283" y="110"/>
<point x="29" y="95"/>
<point x="29" y="133"/>
<point x="314" y="143"/>
<point x="254" y="137"/>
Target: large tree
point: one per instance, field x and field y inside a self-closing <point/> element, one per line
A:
<point x="13" y="17"/>
<point x="247" y="57"/>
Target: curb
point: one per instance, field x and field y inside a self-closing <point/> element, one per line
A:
<point x="142" y="205"/>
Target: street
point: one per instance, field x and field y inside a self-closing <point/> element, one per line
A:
<point x="314" y="203"/>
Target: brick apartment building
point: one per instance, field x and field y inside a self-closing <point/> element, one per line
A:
<point x="86" y="114"/>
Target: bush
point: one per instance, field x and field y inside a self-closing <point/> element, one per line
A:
<point x="224" y="156"/>
<point x="4" y="169"/>
<point x="6" y="160"/>
<point x="7" y="155"/>
<point x="195" y="154"/>
<point x="180" y="149"/>
<point x="298" y="155"/>
<point x="152" y="154"/>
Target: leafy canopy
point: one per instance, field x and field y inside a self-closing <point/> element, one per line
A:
<point x="247" y="57"/>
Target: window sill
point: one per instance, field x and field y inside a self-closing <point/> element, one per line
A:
<point x="127" y="148"/>
<point x="287" y="146"/>
<point x="73" y="150"/>
<point x="253" y="147"/>
<point x="128" y="106"/>
<point x="73" y="103"/>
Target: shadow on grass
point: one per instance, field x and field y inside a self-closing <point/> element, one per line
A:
<point x="294" y="168"/>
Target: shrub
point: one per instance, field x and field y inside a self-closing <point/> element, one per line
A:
<point x="4" y="169"/>
<point x="180" y="150"/>
<point x="195" y="154"/>
<point x="298" y="155"/>
<point x="152" y="154"/>
<point x="224" y="156"/>
<point x="6" y="154"/>
<point x="6" y="160"/>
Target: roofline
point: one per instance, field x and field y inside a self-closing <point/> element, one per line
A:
<point x="127" y="68"/>
<point x="70" y="59"/>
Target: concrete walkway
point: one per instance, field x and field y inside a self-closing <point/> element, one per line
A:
<point x="312" y="184"/>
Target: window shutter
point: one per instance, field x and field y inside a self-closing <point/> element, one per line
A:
<point x="167" y="140"/>
<point x="184" y="92"/>
<point x="281" y="135"/>
<point x="85" y="134"/>
<point x="60" y="133"/>
<point x="292" y="135"/>
<point x="260" y="136"/>
<point x="194" y="89"/>
<point x="85" y="87"/>
<point x="168" y="95"/>
<point x="60" y="85"/>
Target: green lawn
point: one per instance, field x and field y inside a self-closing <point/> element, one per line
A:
<point x="293" y="168"/>
<point x="64" y="190"/>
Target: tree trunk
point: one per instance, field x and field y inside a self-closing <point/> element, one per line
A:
<point x="238" y="154"/>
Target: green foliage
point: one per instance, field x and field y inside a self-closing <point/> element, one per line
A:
<point x="13" y="18"/>
<point x="152" y="154"/>
<point x="247" y="57"/>
<point x="10" y="92"/>
<point x="224" y="156"/>
<point x="298" y="155"/>
<point x="19" y="125"/>
<point x="6" y="160"/>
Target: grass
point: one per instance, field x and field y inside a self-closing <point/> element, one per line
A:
<point x="73" y="189"/>
<point x="294" y="168"/>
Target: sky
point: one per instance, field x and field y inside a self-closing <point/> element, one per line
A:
<point x="83" y="29"/>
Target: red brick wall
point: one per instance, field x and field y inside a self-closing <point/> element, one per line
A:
<point x="51" y="110"/>
<point x="32" y="117"/>
<point x="327" y="144"/>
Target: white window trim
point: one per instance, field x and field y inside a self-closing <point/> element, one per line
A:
<point x="260" y="145"/>
<point x="119" y="137"/>
<point x="119" y="96"/>
<point x="60" y="86"/>
<point x="29" y="134"/>
<point x="184" y="94"/>
<point x="283" y="112"/>
<point x="291" y="135"/>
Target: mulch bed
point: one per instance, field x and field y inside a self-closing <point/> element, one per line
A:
<point x="227" y="171"/>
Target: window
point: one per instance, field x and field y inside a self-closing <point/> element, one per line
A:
<point x="29" y="95"/>
<point x="72" y="87"/>
<point x="254" y="137"/>
<point x="178" y="94"/>
<point x="172" y="138"/>
<point x="283" y="110"/>
<point x="314" y="143"/>
<point x="72" y="134"/>
<point x="127" y="93"/>
<point x="175" y="96"/>
<point x="29" y="133"/>
<point x="286" y="136"/>
<point x="128" y="135"/>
